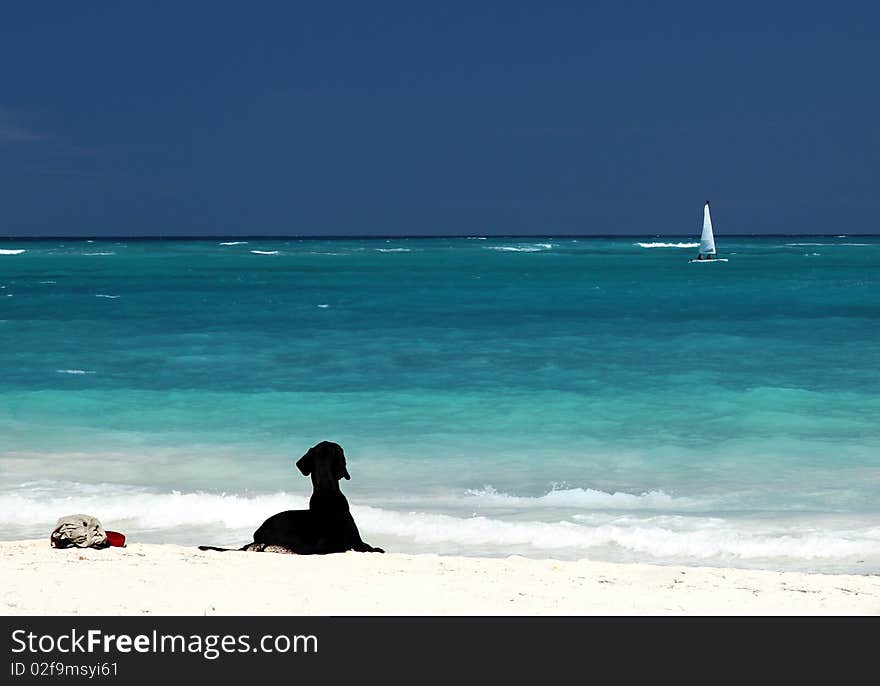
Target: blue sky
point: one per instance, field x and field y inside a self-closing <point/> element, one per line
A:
<point x="354" y="118"/>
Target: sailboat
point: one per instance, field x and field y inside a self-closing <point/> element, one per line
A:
<point x="707" y="240"/>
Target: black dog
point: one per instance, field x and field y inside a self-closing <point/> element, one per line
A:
<point x="327" y="526"/>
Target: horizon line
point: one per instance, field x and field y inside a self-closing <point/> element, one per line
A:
<point x="206" y="237"/>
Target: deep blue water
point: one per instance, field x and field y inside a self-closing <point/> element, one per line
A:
<point x="547" y="396"/>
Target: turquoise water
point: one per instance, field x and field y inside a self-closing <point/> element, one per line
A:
<point x="560" y="397"/>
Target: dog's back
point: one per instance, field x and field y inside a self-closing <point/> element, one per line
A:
<point x="294" y="529"/>
<point x="309" y="532"/>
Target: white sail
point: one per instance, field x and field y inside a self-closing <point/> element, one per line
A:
<point x="707" y="239"/>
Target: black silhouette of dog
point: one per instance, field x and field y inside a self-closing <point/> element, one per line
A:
<point x="327" y="526"/>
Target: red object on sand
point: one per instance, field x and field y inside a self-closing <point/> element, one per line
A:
<point x="116" y="539"/>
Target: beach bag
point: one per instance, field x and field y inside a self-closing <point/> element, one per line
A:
<point x="83" y="531"/>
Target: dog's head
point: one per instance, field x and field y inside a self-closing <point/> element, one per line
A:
<point x="324" y="461"/>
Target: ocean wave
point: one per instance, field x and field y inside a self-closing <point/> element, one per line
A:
<point x="533" y="247"/>
<point x="264" y="252"/>
<point x="11" y="252"/>
<point x="128" y="506"/>
<point x="35" y="507"/>
<point x="99" y="253"/>
<point x="668" y="245"/>
<point x="73" y="371"/>
<point x="234" y="243"/>
<point x="805" y="245"/>
<point x="476" y="238"/>
<point x="583" y="498"/>
<point x="393" y="249"/>
<point x="708" y="539"/>
<point x="107" y="295"/>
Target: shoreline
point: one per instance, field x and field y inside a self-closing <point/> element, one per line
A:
<point x="166" y="579"/>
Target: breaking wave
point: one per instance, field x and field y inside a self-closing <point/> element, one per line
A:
<point x="668" y="245"/>
<point x="135" y="508"/>
<point x="584" y="498"/>
<point x="799" y="245"/>
<point x="535" y="247"/>
<point x="31" y="510"/>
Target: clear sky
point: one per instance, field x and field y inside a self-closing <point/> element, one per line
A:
<point x="234" y="118"/>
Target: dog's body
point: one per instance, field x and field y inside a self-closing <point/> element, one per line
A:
<point x="327" y="526"/>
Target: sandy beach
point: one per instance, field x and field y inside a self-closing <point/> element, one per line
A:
<point x="149" y="579"/>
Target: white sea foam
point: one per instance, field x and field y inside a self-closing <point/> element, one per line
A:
<point x="532" y="247"/>
<point x="73" y="371"/>
<point x="11" y="252"/>
<point x="48" y="282"/>
<point x="34" y="508"/>
<point x="107" y="295"/>
<point x="668" y="245"/>
<point x="234" y="243"/>
<point x="136" y="508"/>
<point x="476" y="238"/>
<point x="819" y="244"/>
<point x="705" y="538"/>
<point x="584" y="498"/>
<point x="323" y="306"/>
<point x="393" y="250"/>
<point x="264" y="252"/>
<point x="99" y="253"/>
<point x="710" y="538"/>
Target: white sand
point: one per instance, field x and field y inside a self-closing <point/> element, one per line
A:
<point x="173" y="580"/>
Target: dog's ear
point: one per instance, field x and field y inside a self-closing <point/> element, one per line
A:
<point x="341" y="471"/>
<point x="307" y="462"/>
